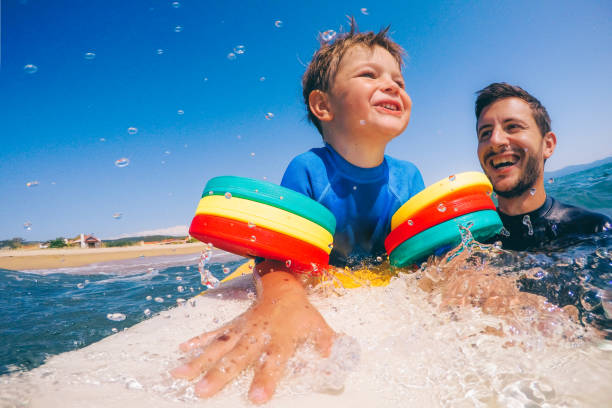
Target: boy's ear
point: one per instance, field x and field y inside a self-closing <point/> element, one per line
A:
<point x="318" y="102"/>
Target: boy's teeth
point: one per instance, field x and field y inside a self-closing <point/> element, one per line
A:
<point x="389" y="106"/>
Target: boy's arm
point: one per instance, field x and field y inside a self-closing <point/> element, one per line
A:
<point x="266" y="335"/>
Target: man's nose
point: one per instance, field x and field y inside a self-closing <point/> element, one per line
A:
<point x="498" y="137"/>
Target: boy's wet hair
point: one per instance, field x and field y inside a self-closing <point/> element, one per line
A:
<point x="323" y="67"/>
<point x="501" y="90"/>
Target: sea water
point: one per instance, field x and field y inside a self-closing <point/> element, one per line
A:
<point x="486" y="328"/>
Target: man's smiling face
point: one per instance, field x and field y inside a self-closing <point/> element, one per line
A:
<point x="511" y="148"/>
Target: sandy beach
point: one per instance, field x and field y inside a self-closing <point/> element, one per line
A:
<point x="27" y="259"/>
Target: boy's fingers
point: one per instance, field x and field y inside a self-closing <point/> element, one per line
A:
<point x="213" y="353"/>
<point x="201" y="340"/>
<point x="228" y="367"/>
<point x="268" y="374"/>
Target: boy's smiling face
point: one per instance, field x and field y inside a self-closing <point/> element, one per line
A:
<point x="367" y="98"/>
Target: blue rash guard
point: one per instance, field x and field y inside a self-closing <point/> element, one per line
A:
<point x="363" y="200"/>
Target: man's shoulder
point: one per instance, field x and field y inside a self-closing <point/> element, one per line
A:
<point x="577" y="219"/>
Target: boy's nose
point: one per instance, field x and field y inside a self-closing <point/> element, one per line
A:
<point x="390" y="86"/>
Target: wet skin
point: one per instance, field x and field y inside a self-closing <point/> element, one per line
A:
<point x="265" y="336"/>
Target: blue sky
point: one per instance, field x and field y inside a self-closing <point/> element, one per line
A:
<point x="66" y="124"/>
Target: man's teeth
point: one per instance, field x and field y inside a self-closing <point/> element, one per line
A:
<point x="497" y="163"/>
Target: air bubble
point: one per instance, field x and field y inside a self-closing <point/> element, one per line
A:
<point x="132" y="130"/>
<point x="123" y="162"/>
<point x="231" y="56"/>
<point x="365" y="11"/>
<point x="328" y="35"/>
<point x="30" y="69"/>
<point x="178" y="28"/>
<point x="228" y="195"/>
<point x="117" y="216"/>
<point x="89" y="55"/>
<point x="441" y="207"/>
<point x="239" y="49"/>
<point x="269" y="115"/>
<point x="278" y="24"/>
<point x="115" y="317"/>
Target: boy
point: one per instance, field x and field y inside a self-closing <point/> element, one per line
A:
<point x="354" y="93"/>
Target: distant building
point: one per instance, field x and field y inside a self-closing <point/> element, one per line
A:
<point x="85" y="241"/>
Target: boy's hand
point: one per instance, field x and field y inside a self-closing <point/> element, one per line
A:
<point x="266" y="335"/>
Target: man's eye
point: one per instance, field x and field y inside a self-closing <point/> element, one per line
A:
<point x="484" y="135"/>
<point x="514" y="126"/>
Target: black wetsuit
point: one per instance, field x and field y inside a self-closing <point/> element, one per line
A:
<point x="553" y="225"/>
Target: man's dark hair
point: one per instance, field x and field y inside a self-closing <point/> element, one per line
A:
<point x="502" y="90"/>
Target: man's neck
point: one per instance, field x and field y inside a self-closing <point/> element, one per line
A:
<point x="525" y="203"/>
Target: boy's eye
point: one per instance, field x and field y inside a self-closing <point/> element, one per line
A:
<point x="367" y="75"/>
<point x="400" y="84"/>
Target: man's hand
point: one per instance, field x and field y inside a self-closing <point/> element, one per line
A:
<point x="265" y="336"/>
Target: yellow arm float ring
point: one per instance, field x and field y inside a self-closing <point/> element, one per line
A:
<point x="266" y="216"/>
<point x="446" y="189"/>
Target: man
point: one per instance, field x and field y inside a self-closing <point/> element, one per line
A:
<point x="514" y="141"/>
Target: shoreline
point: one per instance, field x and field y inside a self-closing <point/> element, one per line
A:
<point x="50" y="258"/>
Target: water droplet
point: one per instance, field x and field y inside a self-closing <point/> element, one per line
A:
<point x="123" y="162"/>
<point x="115" y="317"/>
<point x="452" y="178"/>
<point x="228" y="195"/>
<point x="253" y="238"/>
<point x="32" y="183"/>
<point x="226" y="271"/>
<point x="410" y="222"/>
<point x="239" y="49"/>
<point x="89" y="55"/>
<point x="251" y="266"/>
<point x="147" y="312"/>
<point x="180" y="112"/>
<point x="180" y="301"/>
<point x="205" y="79"/>
<point x="132" y="130"/>
<point x="160" y="51"/>
<point x="117" y="216"/>
<point x="504" y="232"/>
<point x="606" y="226"/>
<point x="114" y="330"/>
<point x="167" y="152"/>
<point x="314" y="267"/>
<point x="602" y="253"/>
<point x="176" y="4"/>
<point x="269" y="115"/>
<point x="231" y="56"/>
<point x="159" y="299"/>
<point x="354" y="188"/>
<point x="526" y="150"/>
<point x="30" y="69"/>
<point x="180" y="289"/>
<point x="80" y="285"/>
<point x="554" y="229"/>
<point x="27" y="226"/>
<point x="149" y="297"/>
<point x="527" y="223"/>
<point x="252" y="154"/>
<point x="210" y="192"/>
<point x="378" y="259"/>
<point x="251" y="224"/>
<point x="331" y="246"/>
<point x="178" y="28"/>
<point x="441" y="207"/>
<point x="532" y="191"/>
<point x="261" y="79"/>
<point x="551" y="180"/>
<point x="328" y="35"/>
<point x="278" y="24"/>
<point x="362" y="122"/>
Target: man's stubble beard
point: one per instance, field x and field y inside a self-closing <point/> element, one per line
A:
<point x="526" y="181"/>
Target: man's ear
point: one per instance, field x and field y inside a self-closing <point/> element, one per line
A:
<point x="549" y="143"/>
<point x="318" y="101"/>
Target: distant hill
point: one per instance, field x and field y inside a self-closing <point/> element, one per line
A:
<point x="133" y="240"/>
<point x="576" y="168"/>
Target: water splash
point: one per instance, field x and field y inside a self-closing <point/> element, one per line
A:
<point x="527" y="223"/>
<point x="207" y="278"/>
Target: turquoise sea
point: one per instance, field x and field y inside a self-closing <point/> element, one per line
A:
<point x="47" y="312"/>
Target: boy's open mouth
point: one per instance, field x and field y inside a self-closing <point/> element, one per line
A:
<point x="389" y="105"/>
